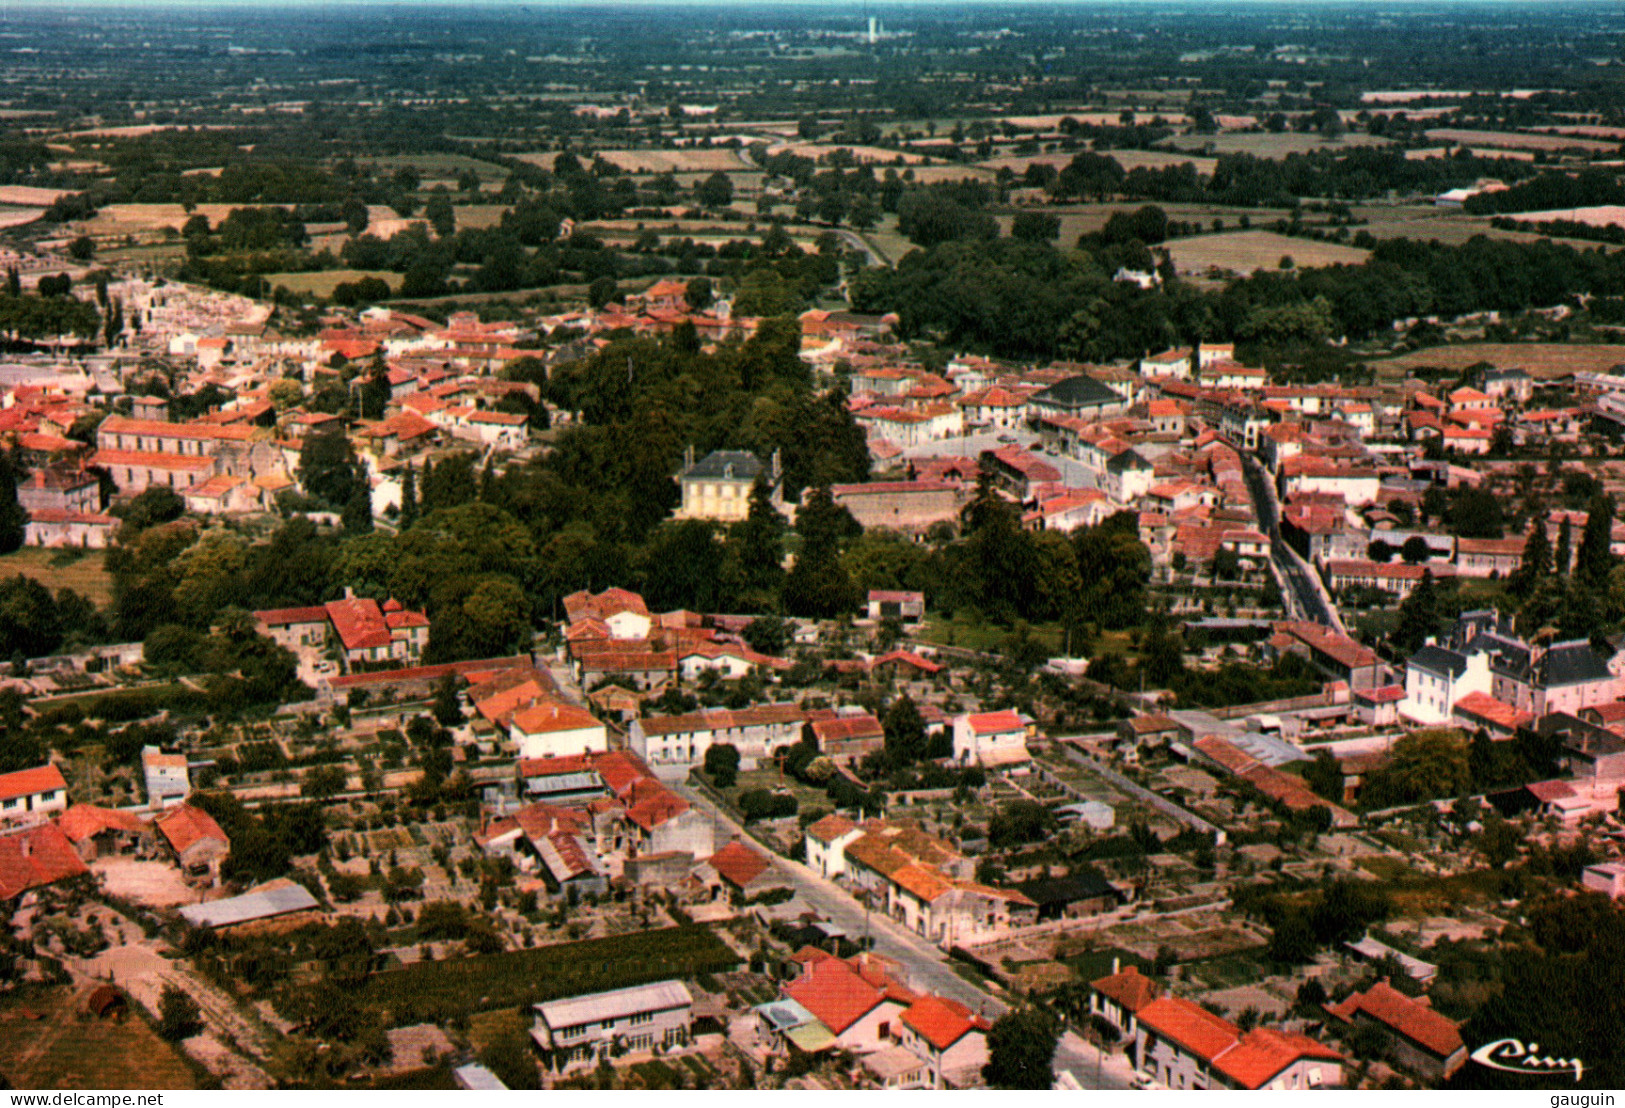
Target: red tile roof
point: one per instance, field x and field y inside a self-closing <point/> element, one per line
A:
<point x="1129" y="988"/>
<point x="550" y="716"/>
<point x="989" y="723"/>
<point x="281" y="617"/>
<point x="1393" y="1009"/>
<point x="359" y="623"/>
<point x="1189" y="1026"/>
<point x="185" y="825"/>
<point x="738" y="864"/>
<point x="1264" y="1052"/>
<point x="831" y="827"/>
<point x="847" y="728"/>
<point x="835" y="993"/>
<point x="34" y="857"/>
<point x="942" y="1022"/>
<point x="29" y="782"/>
<point x="82" y="821"/>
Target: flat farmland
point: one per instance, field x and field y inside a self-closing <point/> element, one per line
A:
<point x="322" y="282"/>
<point x="1585" y="131"/>
<point x="1539" y="359"/>
<point x="1266" y="145"/>
<point x="936" y="174"/>
<point x="704" y="160"/>
<point x="84" y="572"/>
<point x="1128" y="159"/>
<point x="1518" y="140"/>
<point x="1246" y="251"/>
<point x="1452" y="227"/>
<point x="64" y="1051"/>
<point x="1091" y="119"/>
<point x="1602" y="216"/>
<point x="872" y="154"/>
<point x="1082" y="219"/>
<point x="136" y="219"/>
<point x="1475" y="151"/>
<point x="436" y="165"/>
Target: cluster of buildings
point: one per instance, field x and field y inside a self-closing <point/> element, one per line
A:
<point x="45" y="840"/>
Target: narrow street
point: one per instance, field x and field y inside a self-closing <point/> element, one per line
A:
<point x="1307" y="599"/>
<point x="927" y="967"/>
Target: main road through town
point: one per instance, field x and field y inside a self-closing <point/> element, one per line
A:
<point x="1308" y="599"/>
<point x="927" y="967"/>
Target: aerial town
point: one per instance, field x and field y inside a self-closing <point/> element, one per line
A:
<point x="936" y="549"/>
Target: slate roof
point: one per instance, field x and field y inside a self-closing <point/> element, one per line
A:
<point x="1571" y="663"/>
<point x="1436" y="659"/>
<point x="736" y="465"/>
<point x="1075" y="393"/>
<point x="1086" y="884"/>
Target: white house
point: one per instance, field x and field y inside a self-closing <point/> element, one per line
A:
<point x="1436" y="678"/>
<point x="32" y="795"/>
<point x="990" y="738"/>
<point x="166" y="775"/>
<point x="555" y="730"/>
<point x="949" y="1038"/>
<point x="826" y="841"/>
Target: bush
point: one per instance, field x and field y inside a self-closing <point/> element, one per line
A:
<point x="759" y="804"/>
<point x="178" y="1015"/>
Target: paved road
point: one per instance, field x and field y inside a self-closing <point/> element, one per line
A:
<point x="927" y="967"/>
<point x="1309" y="599"/>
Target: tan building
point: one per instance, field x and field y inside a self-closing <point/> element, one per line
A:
<point x="718" y="486"/>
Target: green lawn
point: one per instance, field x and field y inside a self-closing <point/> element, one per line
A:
<point x="82" y="571"/>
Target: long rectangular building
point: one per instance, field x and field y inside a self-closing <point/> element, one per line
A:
<point x="581" y="1028"/>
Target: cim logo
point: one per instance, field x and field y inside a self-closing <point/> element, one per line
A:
<point x="1514" y="1056"/>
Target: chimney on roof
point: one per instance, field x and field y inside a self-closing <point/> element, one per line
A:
<point x="1117" y="965"/>
<point x="688" y="456"/>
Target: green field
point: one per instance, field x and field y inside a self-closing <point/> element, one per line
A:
<point x="443" y="990"/>
<point x="51" y="1045"/>
<point x="82" y="571"/>
<point x="322" y="282"/>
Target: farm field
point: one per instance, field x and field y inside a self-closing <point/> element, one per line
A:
<point x="1247" y="251"/>
<point x="706" y="160"/>
<point x="437" y="165"/>
<point x="1129" y="159"/>
<point x="322" y="282"/>
<point x="65" y="1051"/>
<point x="1090" y="119"/>
<point x="937" y="174"/>
<point x="861" y="153"/>
<point x="135" y="219"/>
<point x="1452" y="227"/>
<point x="1081" y="219"/>
<point x="1517" y="140"/>
<point x="84" y="573"/>
<point x="1539" y="359"/>
<point x="1601" y="216"/>
<point x="1265" y="145"/>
